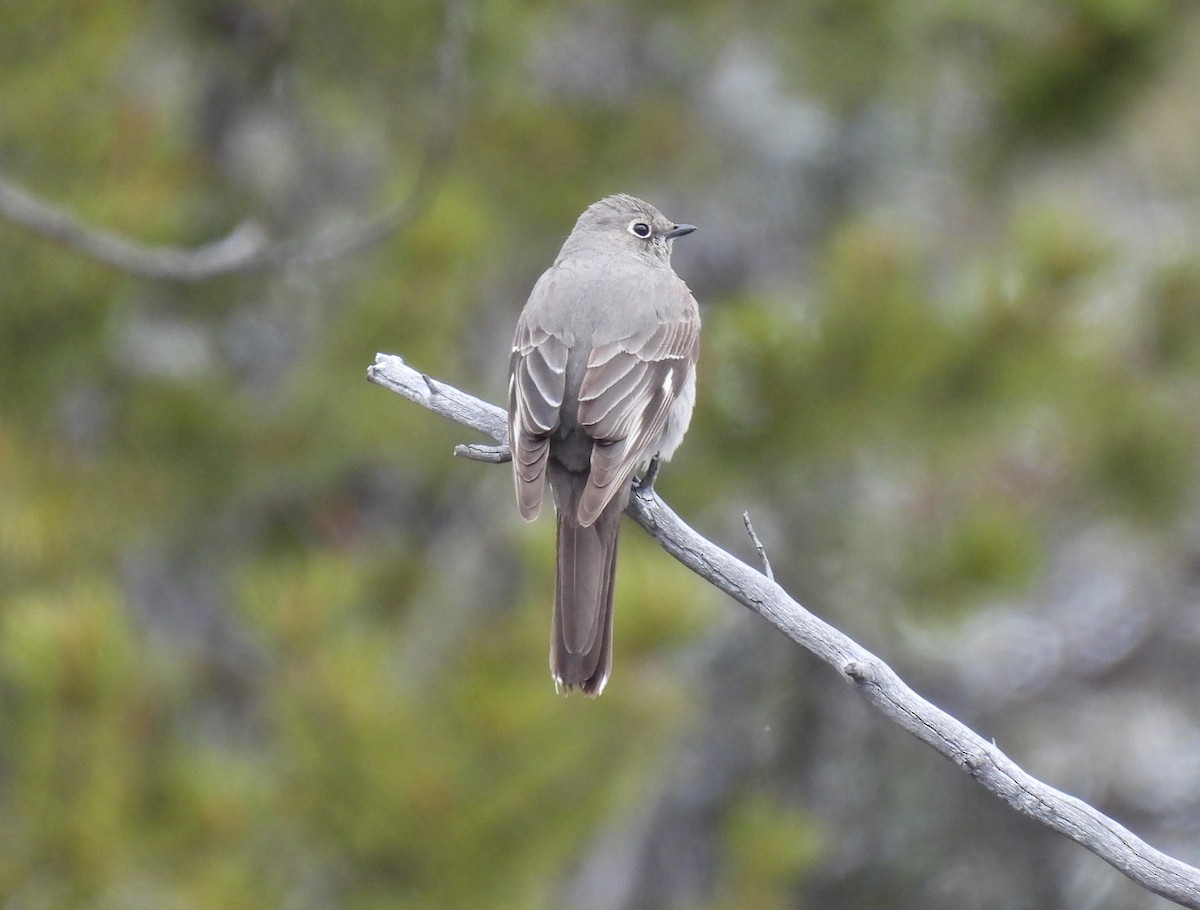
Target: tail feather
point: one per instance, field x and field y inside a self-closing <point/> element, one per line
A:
<point x="581" y="631"/>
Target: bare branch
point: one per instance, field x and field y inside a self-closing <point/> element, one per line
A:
<point x="877" y="682"/>
<point x="758" y="546"/>
<point x="242" y="249"/>
<point x="488" y="454"/>
<point x="393" y="373"/>
<point x="248" y="248"/>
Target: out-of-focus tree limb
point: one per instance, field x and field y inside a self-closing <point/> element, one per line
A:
<point x="877" y="682"/>
<point x="247" y="248"/>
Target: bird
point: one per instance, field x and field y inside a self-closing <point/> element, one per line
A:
<point x="602" y="382"/>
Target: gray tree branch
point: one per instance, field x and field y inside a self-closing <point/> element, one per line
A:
<point x="873" y="678"/>
<point x="247" y="248"/>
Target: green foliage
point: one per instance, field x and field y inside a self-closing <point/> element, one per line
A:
<point x="1077" y="61"/>
<point x="1173" y="333"/>
<point x="769" y="848"/>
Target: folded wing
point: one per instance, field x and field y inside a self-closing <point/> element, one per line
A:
<point x="625" y="398"/>
<point x="537" y="380"/>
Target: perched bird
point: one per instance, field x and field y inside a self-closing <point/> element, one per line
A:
<point x="602" y="382"/>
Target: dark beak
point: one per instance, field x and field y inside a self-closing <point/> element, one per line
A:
<point x="679" y="230"/>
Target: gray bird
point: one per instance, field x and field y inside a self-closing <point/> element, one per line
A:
<point x="602" y="382"/>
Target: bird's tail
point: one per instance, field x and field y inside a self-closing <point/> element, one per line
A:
<point x="581" y="631"/>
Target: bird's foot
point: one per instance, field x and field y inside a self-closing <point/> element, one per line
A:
<point x="645" y="485"/>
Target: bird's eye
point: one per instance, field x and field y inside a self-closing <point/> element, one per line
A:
<point x="639" y="229"/>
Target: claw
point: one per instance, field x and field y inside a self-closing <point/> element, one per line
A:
<point x="645" y="485"/>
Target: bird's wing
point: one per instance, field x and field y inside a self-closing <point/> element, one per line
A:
<point x="537" y="380"/>
<point x="625" y="397"/>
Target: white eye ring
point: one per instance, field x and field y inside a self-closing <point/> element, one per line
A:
<point x="639" y="229"/>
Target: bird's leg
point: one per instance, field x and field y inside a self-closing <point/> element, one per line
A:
<point x="645" y="485"/>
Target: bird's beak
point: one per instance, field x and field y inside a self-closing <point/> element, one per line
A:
<point x="679" y="230"/>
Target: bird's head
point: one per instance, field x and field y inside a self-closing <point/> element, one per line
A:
<point x="624" y="223"/>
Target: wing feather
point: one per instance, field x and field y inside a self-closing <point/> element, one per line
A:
<point x="625" y="398"/>
<point x="628" y="387"/>
<point x="536" y="386"/>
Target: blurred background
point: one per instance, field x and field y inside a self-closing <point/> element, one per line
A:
<point x="265" y="643"/>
